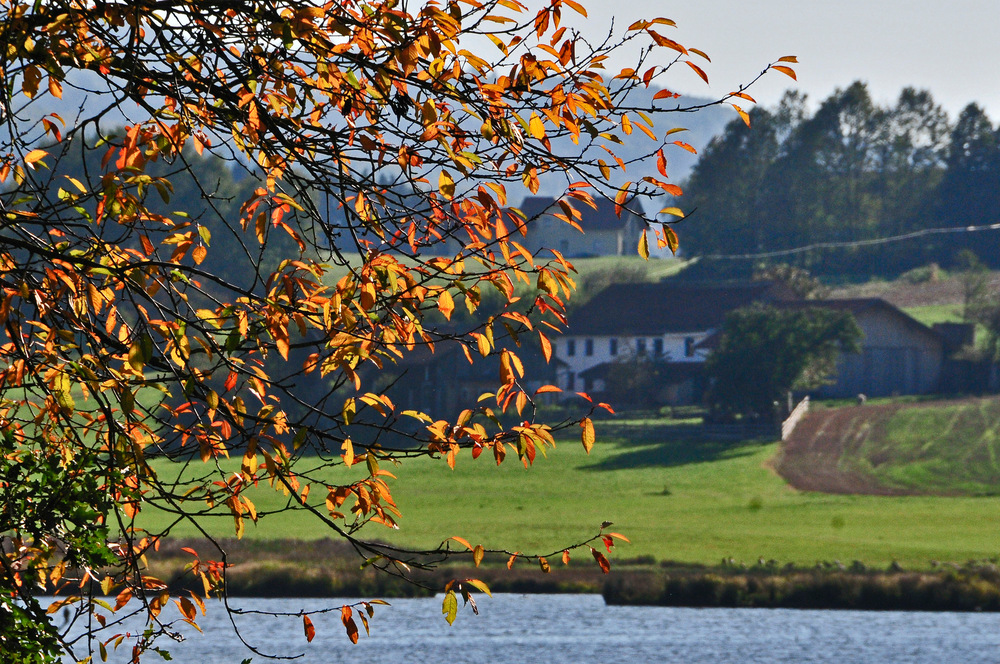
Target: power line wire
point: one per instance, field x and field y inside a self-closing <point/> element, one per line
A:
<point x="852" y="243"/>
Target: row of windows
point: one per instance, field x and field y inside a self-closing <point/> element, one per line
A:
<point x="640" y="347"/>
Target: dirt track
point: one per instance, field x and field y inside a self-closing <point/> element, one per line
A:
<point x="812" y="459"/>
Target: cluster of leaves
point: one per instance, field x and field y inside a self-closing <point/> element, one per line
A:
<point x="851" y="173"/>
<point x="143" y="322"/>
<point x="764" y="352"/>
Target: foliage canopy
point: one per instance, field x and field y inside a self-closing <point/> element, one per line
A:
<point x="151" y="311"/>
<point x="764" y="352"/>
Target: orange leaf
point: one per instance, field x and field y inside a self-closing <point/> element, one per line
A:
<point x="461" y="540"/>
<point x="661" y="162"/>
<point x="446" y="304"/>
<point x="187" y="609"/>
<point x="546" y="347"/>
<point x="743" y="114"/>
<point x="565" y="557"/>
<point x="620" y="536"/>
<point x="788" y="58"/>
<point x="347" y="617"/>
<point x="34" y="156"/>
<point x="199" y="253"/>
<point x="513" y="557"/>
<point x="307" y="626"/>
<point x="787" y="71"/>
<point x="701" y="72"/>
<point x="686" y="146"/>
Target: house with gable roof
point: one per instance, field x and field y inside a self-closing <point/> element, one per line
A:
<point x="604" y="233"/>
<point x="677" y="324"/>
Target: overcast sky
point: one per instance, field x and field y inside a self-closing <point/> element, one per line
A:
<point x="950" y="48"/>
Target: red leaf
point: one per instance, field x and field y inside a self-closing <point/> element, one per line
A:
<point x="601" y="560"/>
<point x="666" y="94"/>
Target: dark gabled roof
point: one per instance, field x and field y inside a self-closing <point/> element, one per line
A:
<point x="864" y="304"/>
<point x="601" y="219"/>
<point x="658" y="308"/>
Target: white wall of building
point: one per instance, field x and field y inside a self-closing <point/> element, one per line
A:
<point x="581" y="353"/>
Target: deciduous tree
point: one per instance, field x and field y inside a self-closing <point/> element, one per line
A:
<point x="764" y="352"/>
<point x="233" y="334"/>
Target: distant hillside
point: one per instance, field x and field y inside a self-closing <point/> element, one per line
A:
<point x="702" y="126"/>
<point x="941" y="447"/>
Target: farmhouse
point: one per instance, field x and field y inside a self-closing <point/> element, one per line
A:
<point x="604" y="233"/>
<point x="676" y="324"/>
<point x="666" y="322"/>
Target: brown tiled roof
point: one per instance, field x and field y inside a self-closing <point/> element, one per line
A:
<point x="658" y="308"/>
<point x="601" y="219"/>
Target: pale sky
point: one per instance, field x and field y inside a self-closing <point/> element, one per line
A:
<point x="950" y="48"/>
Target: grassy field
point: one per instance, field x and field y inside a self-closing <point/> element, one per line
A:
<point x="690" y="502"/>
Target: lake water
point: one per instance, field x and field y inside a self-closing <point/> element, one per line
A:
<point x="564" y="629"/>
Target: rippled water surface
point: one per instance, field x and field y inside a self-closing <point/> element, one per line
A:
<point x="564" y="629"/>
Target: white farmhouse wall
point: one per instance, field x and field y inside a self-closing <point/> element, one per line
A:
<point x="677" y="347"/>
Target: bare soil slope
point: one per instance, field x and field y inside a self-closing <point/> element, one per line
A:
<point x="813" y="457"/>
<point x="947" y="447"/>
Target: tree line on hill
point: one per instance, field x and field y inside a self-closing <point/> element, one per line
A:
<point x="851" y="173"/>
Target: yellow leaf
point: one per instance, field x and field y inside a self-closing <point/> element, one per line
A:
<point x="535" y="127"/>
<point x="674" y="211"/>
<point x="587" y="434"/>
<point x="35" y="155"/>
<point x="446" y="185"/>
<point x="479" y="585"/>
<point x="644" y="246"/>
<point x="477" y="554"/>
<point x="450" y="607"/>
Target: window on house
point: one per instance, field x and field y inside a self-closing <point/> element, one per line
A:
<point x="571" y="381"/>
<point x="570" y="347"/>
<point x="688" y="346"/>
<point x="658" y="346"/>
<point x="613" y="347"/>
<point x="640" y="345"/>
<point x="588" y="347"/>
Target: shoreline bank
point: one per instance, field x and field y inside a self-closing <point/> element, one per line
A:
<point x="326" y="569"/>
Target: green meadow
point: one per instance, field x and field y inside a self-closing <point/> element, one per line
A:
<point x="686" y="501"/>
